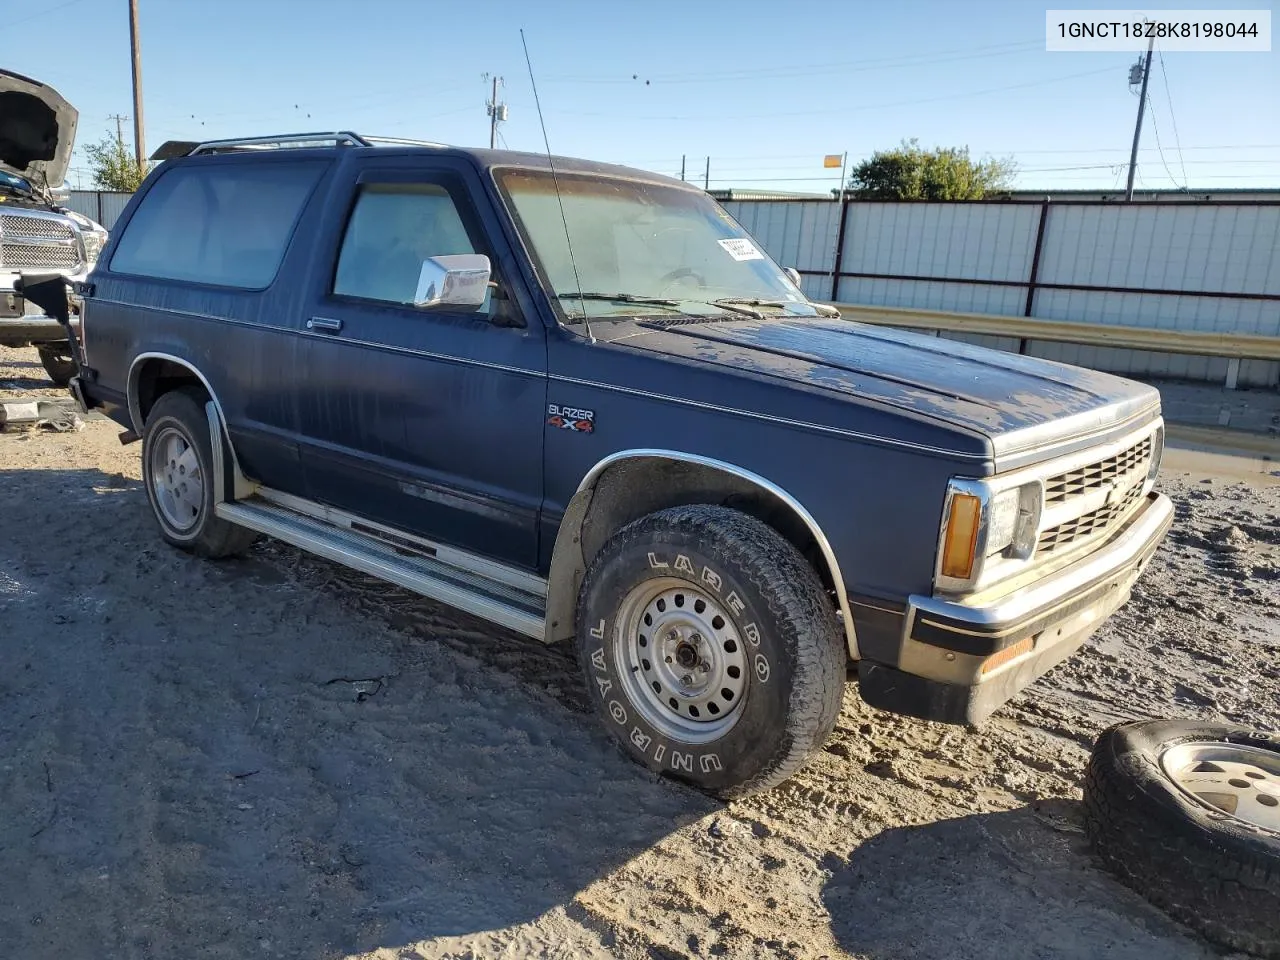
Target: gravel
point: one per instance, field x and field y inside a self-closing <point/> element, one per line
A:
<point x="275" y="757"/>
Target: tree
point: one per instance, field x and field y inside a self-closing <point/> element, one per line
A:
<point x="910" y="172"/>
<point x="113" y="165"/>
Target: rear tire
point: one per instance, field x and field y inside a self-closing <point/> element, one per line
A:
<point x="711" y="649"/>
<point x="177" y="471"/>
<point x="58" y="364"/>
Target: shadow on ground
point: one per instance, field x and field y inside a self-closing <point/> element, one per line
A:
<point x="1015" y="884"/>
<point x="209" y="759"/>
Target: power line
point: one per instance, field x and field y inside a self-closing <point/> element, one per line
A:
<point x="849" y="109"/>
<point x="815" y="69"/>
<point x="1155" y="127"/>
<point x="43" y="14"/>
<point x="1172" y="118"/>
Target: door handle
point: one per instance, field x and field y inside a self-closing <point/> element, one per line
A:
<point x="325" y="324"/>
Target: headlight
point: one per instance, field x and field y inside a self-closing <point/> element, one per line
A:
<point x="1012" y="523"/>
<point x="986" y="527"/>
<point x="94" y="241"/>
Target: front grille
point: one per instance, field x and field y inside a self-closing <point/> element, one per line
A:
<point x="15" y="227"/>
<point x="1087" y="524"/>
<point x="34" y="255"/>
<point x="1095" y="476"/>
<point x="42" y="243"/>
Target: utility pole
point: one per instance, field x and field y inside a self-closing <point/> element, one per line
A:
<point x="682" y="160"/>
<point x="497" y="111"/>
<point x="1142" y="103"/>
<point x="706" y="178"/>
<point x="139" y="147"/>
<point x="119" y="119"/>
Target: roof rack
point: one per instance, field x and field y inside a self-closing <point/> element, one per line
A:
<point x="399" y="142"/>
<point x="340" y="138"/>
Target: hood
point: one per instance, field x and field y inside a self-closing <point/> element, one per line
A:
<point x="37" y="129"/>
<point x="1020" y="403"/>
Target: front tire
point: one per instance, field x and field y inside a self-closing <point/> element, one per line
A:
<point x="711" y="649"/>
<point x="177" y="471"/>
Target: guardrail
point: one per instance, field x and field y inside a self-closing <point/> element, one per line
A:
<point x="1233" y="346"/>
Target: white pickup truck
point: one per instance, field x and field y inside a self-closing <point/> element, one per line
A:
<point x="38" y="235"/>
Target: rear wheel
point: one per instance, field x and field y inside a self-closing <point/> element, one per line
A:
<point x="711" y="649"/>
<point x="58" y="363"/>
<point x="177" y="471"/>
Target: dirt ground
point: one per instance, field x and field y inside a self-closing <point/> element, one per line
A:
<point x="274" y="757"/>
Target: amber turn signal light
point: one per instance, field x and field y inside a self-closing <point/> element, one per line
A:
<point x="961" y="542"/>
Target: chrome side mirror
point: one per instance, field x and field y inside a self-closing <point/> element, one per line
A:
<point x="460" y="279"/>
<point x="793" y="275"/>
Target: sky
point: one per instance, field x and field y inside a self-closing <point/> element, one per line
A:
<point x="763" y="89"/>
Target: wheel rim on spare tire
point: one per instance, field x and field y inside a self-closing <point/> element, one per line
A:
<point x="1241" y="781"/>
<point x="681" y="660"/>
<point x="176" y="479"/>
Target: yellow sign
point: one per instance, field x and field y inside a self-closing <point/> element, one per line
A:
<point x="832" y="160"/>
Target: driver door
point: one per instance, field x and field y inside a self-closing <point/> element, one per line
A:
<point x="427" y="420"/>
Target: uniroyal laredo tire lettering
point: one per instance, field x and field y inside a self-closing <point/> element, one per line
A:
<point x="713" y="580"/>
<point x="676" y="760"/>
<point x="775" y="621"/>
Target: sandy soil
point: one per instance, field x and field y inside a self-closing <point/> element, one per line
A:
<point x="273" y="757"/>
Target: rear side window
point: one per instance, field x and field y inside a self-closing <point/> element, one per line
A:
<point x="224" y="225"/>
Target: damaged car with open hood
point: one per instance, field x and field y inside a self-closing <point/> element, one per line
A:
<point x="40" y="238"/>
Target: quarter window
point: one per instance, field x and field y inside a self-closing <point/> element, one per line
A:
<point x="226" y="225"/>
<point x="392" y="230"/>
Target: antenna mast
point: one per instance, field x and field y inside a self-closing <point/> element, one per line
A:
<point x="555" y="180"/>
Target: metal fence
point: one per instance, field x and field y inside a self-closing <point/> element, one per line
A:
<point x="104" y="206"/>
<point x="1203" y="268"/>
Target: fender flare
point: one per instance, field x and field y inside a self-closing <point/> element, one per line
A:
<point x="568" y="564"/>
<point x="241" y="486"/>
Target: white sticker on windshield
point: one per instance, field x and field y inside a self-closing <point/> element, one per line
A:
<point x="740" y="248"/>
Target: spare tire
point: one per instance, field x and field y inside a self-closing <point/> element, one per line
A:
<point x="1188" y="814"/>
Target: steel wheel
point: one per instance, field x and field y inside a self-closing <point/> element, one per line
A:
<point x="176" y="479"/>
<point x="681" y="658"/>
<point x="1241" y="781"/>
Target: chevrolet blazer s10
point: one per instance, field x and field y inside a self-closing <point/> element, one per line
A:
<point x="580" y="401"/>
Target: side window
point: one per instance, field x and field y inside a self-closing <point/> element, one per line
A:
<point x="393" y="228"/>
<point x="225" y="225"/>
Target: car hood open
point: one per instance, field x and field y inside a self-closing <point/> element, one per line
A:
<point x="1020" y="403"/>
<point x="37" y="129"/>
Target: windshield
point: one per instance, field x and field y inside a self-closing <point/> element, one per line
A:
<point x="643" y="248"/>
<point x="12" y="183"/>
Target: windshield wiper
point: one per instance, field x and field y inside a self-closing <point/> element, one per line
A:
<point x="822" y="309"/>
<point x="729" y="305"/>
<point x="619" y="298"/>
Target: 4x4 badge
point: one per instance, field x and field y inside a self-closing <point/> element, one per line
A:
<point x="571" y="418"/>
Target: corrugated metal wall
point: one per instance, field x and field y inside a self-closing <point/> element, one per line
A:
<point x="980" y="258"/>
<point x="802" y="235"/>
<point x="104" y="206"/>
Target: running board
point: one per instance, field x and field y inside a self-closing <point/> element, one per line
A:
<point x="466" y="589"/>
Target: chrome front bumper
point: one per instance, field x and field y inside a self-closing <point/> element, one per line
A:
<point x="961" y="659"/>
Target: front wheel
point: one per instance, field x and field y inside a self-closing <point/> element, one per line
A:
<point x="711" y="649"/>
